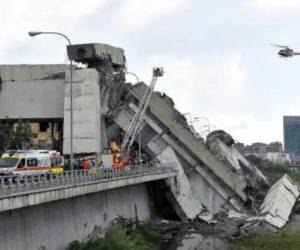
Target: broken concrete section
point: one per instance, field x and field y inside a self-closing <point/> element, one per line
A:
<point x="277" y="205"/>
<point x="218" y="175"/>
<point x="279" y="202"/>
<point x="184" y="201"/>
<point x="86" y="112"/>
<point x="236" y="215"/>
<point x="220" y="143"/>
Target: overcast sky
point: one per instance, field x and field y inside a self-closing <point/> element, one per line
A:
<point x="216" y="53"/>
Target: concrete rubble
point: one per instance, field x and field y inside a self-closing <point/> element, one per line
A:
<point x="220" y="143"/>
<point x="276" y="208"/>
<point x="279" y="202"/>
<point x="236" y="215"/>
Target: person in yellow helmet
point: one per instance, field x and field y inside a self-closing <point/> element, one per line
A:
<point x="114" y="147"/>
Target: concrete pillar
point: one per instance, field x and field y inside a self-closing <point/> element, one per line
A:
<point x="86" y="112"/>
<point x="185" y="202"/>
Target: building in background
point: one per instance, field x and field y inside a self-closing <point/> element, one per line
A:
<point x="272" y="152"/>
<point x="259" y="148"/>
<point x="278" y="158"/>
<point x="275" y="147"/>
<point x="275" y="152"/>
<point x="291" y="135"/>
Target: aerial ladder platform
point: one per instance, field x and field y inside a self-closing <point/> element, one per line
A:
<point x="137" y="119"/>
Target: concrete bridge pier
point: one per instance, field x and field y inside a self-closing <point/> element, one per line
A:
<point x="86" y="112"/>
<point x="53" y="225"/>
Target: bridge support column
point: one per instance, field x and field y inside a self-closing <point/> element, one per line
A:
<point x="53" y="225"/>
<point x="86" y="113"/>
<point x="185" y="202"/>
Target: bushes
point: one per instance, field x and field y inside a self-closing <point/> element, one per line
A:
<point x="275" y="173"/>
<point x="123" y="234"/>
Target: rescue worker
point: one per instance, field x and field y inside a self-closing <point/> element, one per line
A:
<point x="85" y="164"/>
<point x="118" y="161"/>
<point x="117" y="156"/>
<point x="101" y="164"/>
<point x="114" y="147"/>
<point x="92" y="164"/>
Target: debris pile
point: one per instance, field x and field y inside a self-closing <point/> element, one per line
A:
<point x="271" y="207"/>
<point x="220" y="144"/>
<point x="276" y="208"/>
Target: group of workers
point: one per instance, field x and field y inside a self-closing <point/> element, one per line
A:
<point x="118" y="159"/>
<point x="89" y="164"/>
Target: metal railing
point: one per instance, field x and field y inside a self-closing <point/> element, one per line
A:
<point x="38" y="182"/>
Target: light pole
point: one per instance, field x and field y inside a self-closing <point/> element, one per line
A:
<point x="35" y="33"/>
<point x="127" y="72"/>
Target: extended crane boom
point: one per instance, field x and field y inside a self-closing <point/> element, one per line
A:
<point x="138" y="117"/>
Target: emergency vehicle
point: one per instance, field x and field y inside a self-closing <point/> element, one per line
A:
<point x="28" y="162"/>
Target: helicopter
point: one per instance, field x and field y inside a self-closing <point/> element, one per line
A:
<point x="286" y="51"/>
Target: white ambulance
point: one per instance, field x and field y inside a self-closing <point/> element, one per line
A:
<point x="28" y="162"/>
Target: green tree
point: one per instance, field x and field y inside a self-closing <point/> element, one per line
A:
<point x="22" y="136"/>
<point x="6" y="130"/>
<point x="15" y="136"/>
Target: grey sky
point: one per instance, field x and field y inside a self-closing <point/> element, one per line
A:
<point x="216" y="54"/>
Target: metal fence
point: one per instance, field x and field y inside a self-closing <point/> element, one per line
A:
<point x="25" y="183"/>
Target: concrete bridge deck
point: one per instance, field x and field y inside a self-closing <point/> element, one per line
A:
<point x="18" y="192"/>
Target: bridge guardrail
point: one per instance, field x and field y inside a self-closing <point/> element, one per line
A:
<point x="35" y="182"/>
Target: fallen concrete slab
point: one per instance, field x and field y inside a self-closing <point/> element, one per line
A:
<point x="279" y="202"/>
<point x="236" y="215"/>
<point x="277" y="205"/>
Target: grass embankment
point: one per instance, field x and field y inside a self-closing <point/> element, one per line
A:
<point x="124" y="236"/>
<point x="287" y="240"/>
<point x="275" y="173"/>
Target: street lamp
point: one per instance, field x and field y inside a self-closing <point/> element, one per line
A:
<point x="129" y="73"/>
<point x="35" y="33"/>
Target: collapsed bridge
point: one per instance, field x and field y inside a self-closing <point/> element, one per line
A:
<point x="211" y="176"/>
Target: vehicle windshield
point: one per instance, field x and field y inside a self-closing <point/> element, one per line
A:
<point x="8" y="162"/>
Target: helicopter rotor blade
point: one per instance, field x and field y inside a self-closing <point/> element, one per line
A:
<point x="280" y="46"/>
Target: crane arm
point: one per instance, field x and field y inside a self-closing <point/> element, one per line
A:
<point x="138" y="117"/>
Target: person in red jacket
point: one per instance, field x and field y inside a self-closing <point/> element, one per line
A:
<point x="85" y="164"/>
